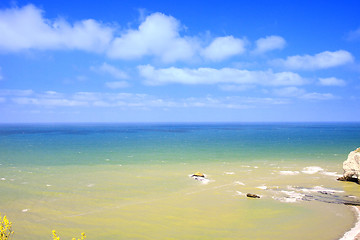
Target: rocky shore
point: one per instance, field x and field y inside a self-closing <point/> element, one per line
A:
<point x="352" y="167"/>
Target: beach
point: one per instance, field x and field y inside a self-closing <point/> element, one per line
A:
<point x="134" y="182"/>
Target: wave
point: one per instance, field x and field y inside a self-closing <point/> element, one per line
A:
<point x="289" y="172"/>
<point x="353" y="232"/>
<point x="312" y="170"/>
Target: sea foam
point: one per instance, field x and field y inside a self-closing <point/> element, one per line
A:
<point x="239" y="183"/>
<point x="290" y="196"/>
<point x="353" y="232"/>
<point x="289" y="172"/>
<point x="312" y="170"/>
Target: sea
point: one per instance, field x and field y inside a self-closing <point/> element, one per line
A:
<point x="134" y="181"/>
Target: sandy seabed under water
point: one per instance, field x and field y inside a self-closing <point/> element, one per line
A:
<point x="161" y="201"/>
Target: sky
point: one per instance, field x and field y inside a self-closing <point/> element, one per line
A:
<point x="179" y="61"/>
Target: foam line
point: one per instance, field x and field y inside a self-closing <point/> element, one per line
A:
<point x="352" y="233"/>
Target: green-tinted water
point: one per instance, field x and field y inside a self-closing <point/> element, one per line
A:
<point x="130" y="182"/>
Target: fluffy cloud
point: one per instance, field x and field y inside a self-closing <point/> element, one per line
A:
<point x="26" y="28"/>
<point x="224" y="47"/>
<point x="158" y="36"/>
<point x="332" y="81"/>
<point x="170" y="75"/>
<point x="321" y="60"/>
<point x="109" y="69"/>
<point x="269" y="43"/>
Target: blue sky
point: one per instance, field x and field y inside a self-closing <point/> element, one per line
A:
<point x="179" y="61"/>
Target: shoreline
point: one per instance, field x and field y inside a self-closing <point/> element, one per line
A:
<point x="354" y="232"/>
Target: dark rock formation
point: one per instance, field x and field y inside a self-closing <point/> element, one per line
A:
<point x="250" y="195"/>
<point x="198" y="174"/>
<point x="349" y="179"/>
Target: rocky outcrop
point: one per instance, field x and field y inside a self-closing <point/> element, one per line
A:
<point x="352" y="167"/>
<point x="198" y="174"/>
<point x="251" y="195"/>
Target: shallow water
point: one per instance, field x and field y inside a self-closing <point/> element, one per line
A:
<point x="132" y="182"/>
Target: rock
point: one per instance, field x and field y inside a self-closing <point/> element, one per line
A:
<point x="198" y="174"/>
<point x="250" y="195"/>
<point x="352" y="167"/>
<point x="348" y="179"/>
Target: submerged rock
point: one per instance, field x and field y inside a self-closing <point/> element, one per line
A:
<point x="250" y="195"/>
<point x="352" y="167"/>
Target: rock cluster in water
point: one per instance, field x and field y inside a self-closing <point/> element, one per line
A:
<point x="351" y="167"/>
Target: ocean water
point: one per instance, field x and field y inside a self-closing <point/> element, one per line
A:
<point x="132" y="181"/>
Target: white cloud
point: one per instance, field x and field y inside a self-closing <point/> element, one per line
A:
<point x="51" y="99"/>
<point x="230" y="102"/>
<point x="45" y="99"/>
<point x="354" y="35"/>
<point x="17" y="93"/>
<point x="224" y="47"/>
<point x="109" y="69"/>
<point x="118" y="84"/>
<point x="318" y="96"/>
<point x="269" y="43"/>
<point x="289" y="92"/>
<point x="295" y="92"/>
<point x="332" y="81"/>
<point x="47" y="102"/>
<point x="157" y="36"/>
<point x="235" y="88"/>
<point x="26" y="28"/>
<point x="321" y="60"/>
<point x="188" y="76"/>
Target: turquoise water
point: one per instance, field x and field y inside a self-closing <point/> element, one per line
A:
<point x="131" y="181"/>
<point x="139" y="144"/>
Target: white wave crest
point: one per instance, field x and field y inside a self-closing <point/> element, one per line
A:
<point x="240" y="193"/>
<point x="312" y="170"/>
<point x="239" y="183"/>
<point x="290" y="197"/>
<point x="333" y="174"/>
<point x="321" y="189"/>
<point x="203" y="180"/>
<point x="289" y="172"/>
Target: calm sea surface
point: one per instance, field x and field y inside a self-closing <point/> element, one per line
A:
<point x="131" y="181"/>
